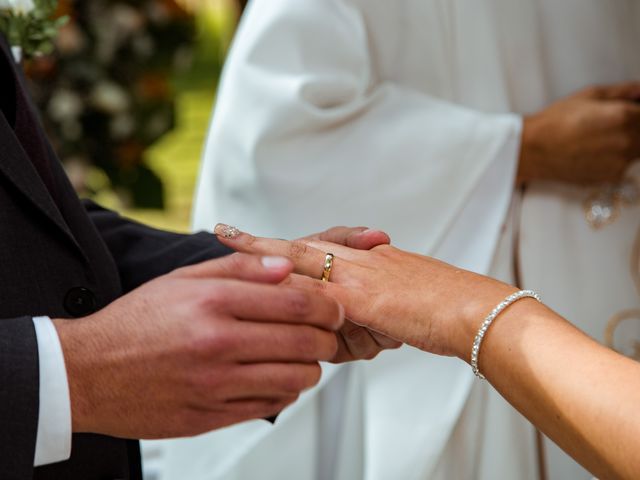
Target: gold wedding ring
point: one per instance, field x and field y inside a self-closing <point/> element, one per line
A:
<point x="328" y="265"/>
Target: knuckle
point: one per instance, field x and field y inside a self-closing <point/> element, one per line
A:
<point x="319" y="287"/>
<point x="215" y="342"/>
<point x="236" y="261"/>
<point x="207" y="392"/>
<point x="385" y="250"/>
<point x="297" y="250"/>
<point x="334" y="233"/>
<point x="307" y="342"/>
<point x="232" y="265"/>
<point x="210" y="385"/>
<point x="326" y="234"/>
<point x="194" y="384"/>
<point x="249" y="240"/>
<point x="299" y="304"/>
<point x="213" y="299"/>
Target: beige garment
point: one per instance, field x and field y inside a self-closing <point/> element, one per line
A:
<point x="584" y="274"/>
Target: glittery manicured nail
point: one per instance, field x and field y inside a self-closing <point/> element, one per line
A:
<point x="226" y="231"/>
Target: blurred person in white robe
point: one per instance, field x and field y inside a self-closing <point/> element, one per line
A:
<point x="464" y="130"/>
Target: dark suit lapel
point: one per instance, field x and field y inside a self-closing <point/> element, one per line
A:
<point x="17" y="167"/>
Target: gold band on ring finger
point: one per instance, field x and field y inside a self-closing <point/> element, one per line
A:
<point x="328" y="265"/>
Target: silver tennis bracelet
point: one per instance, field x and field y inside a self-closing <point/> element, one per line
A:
<point x="477" y="342"/>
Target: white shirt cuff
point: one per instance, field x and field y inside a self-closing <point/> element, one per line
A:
<point x="53" y="442"/>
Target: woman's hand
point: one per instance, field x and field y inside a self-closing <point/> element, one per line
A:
<point x="356" y="342"/>
<point x="579" y="393"/>
<point x="413" y="299"/>
<point x="590" y="137"/>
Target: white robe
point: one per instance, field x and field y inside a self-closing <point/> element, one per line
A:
<point x="405" y="115"/>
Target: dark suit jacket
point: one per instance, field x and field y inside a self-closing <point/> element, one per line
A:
<point x="62" y="258"/>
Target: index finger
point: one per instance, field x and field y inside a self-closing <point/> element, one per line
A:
<point x="273" y="304"/>
<point x="307" y="259"/>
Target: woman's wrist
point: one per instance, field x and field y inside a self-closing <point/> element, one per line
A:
<point x="504" y="336"/>
<point x="475" y="311"/>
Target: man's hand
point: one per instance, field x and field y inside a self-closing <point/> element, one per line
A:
<point x="590" y="137"/>
<point x="360" y="238"/>
<point x="201" y="348"/>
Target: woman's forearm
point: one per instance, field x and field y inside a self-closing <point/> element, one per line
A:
<point x="582" y="395"/>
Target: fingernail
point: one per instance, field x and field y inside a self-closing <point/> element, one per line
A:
<point x="226" y="231"/>
<point x="275" y="263"/>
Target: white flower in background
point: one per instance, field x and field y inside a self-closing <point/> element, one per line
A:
<point x="110" y="98"/>
<point x="18" y="7"/>
<point x="30" y="26"/>
<point x="64" y="105"/>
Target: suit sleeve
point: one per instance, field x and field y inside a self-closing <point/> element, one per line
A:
<point x="143" y="253"/>
<point x="19" y="397"/>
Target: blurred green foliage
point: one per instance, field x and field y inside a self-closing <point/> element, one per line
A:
<point x="32" y="31"/>
<point x="127" y="97"/>
<point x="106" y="94"/>
<point x="175" y="158"/>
